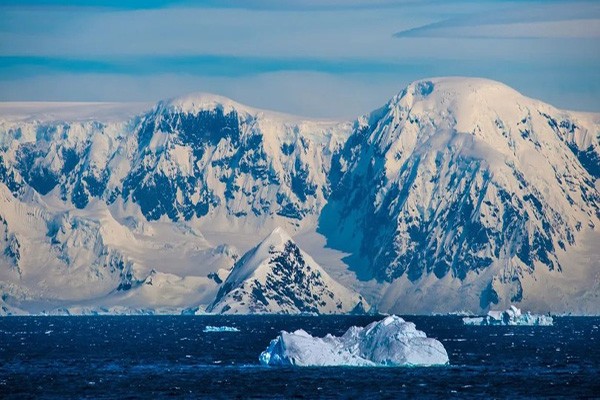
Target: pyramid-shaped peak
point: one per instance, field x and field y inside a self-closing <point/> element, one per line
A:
<point x="277" y="276"/>
<point x="260" y="254"/>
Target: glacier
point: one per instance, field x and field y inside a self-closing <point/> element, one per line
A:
<point x="457" y="194"/>
<point x="389" y="342"/>
<point x="510" y="317"/>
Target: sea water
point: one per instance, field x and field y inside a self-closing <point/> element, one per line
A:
<point x="170" y="356"/>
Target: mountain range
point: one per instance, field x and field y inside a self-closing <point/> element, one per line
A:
<point x="458" y="194"/>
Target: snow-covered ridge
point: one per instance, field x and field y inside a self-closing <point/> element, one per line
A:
<point x="46" y="112"/>
<point x="193" y="103"/>
<point x="186" y="157"/>
<point x="272" y="123"/>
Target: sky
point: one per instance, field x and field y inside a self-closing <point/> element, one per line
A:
<point x="317" y="58"/>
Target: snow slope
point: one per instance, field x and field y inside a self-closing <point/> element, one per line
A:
<point x="73" y="258"/>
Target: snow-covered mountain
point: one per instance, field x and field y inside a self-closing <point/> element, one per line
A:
<point x="187" y="157"/>
<point x="466" y="182"/>
<point x="199" y="155"/>
<point x="277" y="276"/>
<point x="458" y="194"/>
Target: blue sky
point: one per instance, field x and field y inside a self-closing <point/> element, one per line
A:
<point x="327" y="58"/>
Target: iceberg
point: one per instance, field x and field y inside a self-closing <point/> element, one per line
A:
<point x="389" y="342"/>
<point x="511" y="317"/>
<point x="210" y="328"/>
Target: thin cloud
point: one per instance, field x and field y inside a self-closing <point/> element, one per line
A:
<point x="204" y="65"/>
<point x="570" y="29"/>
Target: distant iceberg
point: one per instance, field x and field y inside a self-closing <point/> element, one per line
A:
<point x="513" y="317"/>
<point x="210" y="328"/>
<point x="389" y="342"/>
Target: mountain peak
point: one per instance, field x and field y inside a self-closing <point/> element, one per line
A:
<point x="277" y="276"/>
<point x="199" y="101"/>
<point x="493" y="113"/>
<point x="461" y="97"/>
<point x="455" y="86"/>
<point x="460" y="104"/>
<point x="193" y="103"/>
<point x="253" y="259"/>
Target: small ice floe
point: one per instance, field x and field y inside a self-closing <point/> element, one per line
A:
<point x="389" y="342"/>
<point x="210" y="328"/>
<point x="461" y="313"/>
<point x="512" y="317"/>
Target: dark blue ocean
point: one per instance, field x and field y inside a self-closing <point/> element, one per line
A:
<point x="149" y="357"/>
